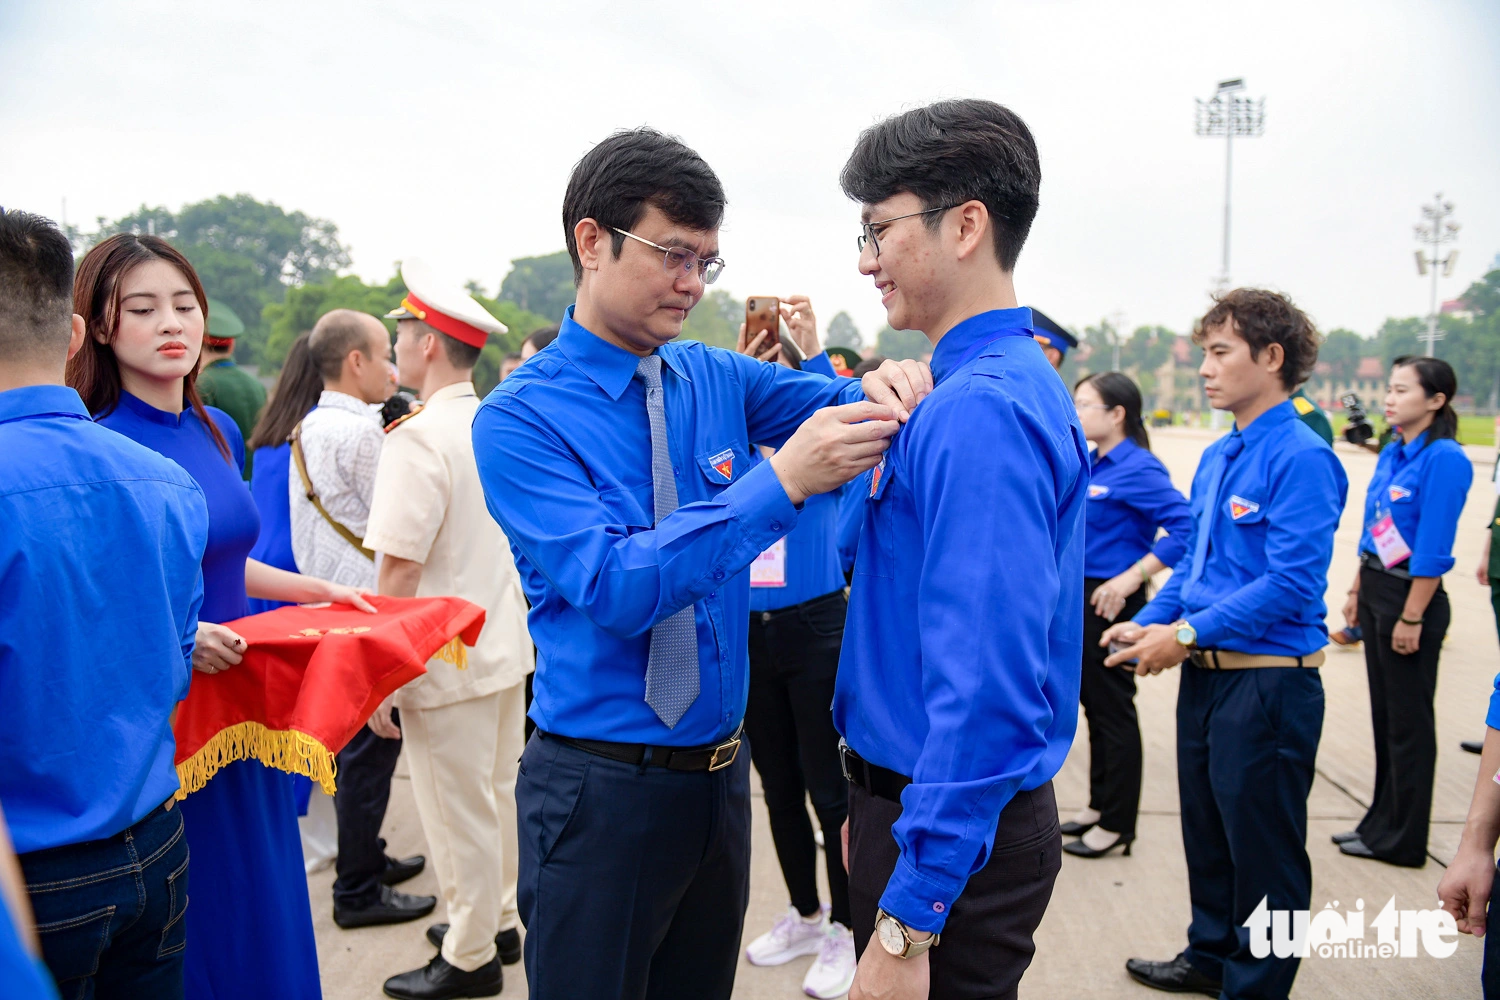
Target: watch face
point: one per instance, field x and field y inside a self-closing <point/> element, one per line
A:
<point x="1186" y="636"/>
<point x="891" y="938"/>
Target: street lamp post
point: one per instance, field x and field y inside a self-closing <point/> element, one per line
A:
<point x="1229" y="113"/>
<point x="1435" y="232"/>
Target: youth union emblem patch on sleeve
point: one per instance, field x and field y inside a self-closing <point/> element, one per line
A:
<point x="1239" y="507"/>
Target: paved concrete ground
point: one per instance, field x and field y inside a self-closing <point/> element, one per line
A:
<point x="1108" y="910"/>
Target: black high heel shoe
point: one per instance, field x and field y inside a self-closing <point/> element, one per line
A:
<point x="1072" y="829"/>
<point x="1079" y="849"/>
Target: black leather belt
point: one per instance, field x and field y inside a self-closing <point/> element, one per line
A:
<point x="811" y="604"/>
<point x="879" y="781"/>
<point x="712" y="757"/>
<point x="1370" y="560"/>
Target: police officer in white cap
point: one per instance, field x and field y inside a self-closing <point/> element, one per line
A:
<point x="463" y="727"/>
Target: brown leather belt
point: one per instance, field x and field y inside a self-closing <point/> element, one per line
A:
<point x="1223" y="659"/>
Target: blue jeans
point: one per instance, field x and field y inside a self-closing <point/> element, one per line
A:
<point x="109" y="912"/>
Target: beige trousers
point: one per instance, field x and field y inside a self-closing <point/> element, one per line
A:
<point x="463" y="776"/>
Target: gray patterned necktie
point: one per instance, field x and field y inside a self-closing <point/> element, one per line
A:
<point x="672" y="670"/>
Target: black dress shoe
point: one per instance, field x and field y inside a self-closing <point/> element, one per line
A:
<point x="1345" y="837"/>
<point x="1072" y="829"/>
<point x="1176" y="976"/>
<point x="392" y="907"/>
<point x="398" y="870"/>
<point x="438" y="980"/>
<point x="1079" y="849"/>
<point x="1472" y="746"/>
<point x="508" y="943"/>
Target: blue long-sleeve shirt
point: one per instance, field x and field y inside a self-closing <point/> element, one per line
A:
<point x="1130" y="497"/>
<point x="1270" y="542"/>
<point x="564" y="454"/>
<point x="808" y="556"/>
<point x="961" y="656"/>
<point x="1423" y="486"/>
<point x="100" y="568"/>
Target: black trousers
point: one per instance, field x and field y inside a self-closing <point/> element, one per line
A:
<point x="1246" y="743"/>
<point x="1489" y="972"/>
<point x="1401" y="692"/>
<point x="1108" y="698"/>
<point x="794" y="659"/>
<point x="987" y="939"/>
<point x="633" y="880"/>
<point x="365" y="765"/>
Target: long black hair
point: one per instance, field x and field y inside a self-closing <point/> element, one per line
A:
<point x="1436" y="376"/>
<point x="297" y="390"/>
<point x="1119" y="389"/>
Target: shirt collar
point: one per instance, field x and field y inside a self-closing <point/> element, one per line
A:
<point x="456" y="390"/>
<point x="1119" y="453"/>
<point x="144" y="410"/>
<point x="610" y="367"/>
<point x="343" y="401"/>
<point x="221" y="363"/>
<point x="39" y="401"/>
<point x="1406" y="452"/>
<point x="955" y="345"/>
<point x="1269" y="422"/>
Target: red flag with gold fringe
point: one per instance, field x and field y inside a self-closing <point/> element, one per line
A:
<point x="311" y="676"/>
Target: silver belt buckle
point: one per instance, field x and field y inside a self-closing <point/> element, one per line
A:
<point x="844" y="759"/>
<point x="733" y="746"/>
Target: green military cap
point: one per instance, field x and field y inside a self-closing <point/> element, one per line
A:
<point x="223" y="324"/>
<point x="843" y="359"/>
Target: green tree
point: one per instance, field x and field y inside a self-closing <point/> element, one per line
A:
<point x="843" y="333"/>
<point x="1340" y="351"/>
<point x="541" y="285"/>
<point x="902" y="345"/>
<point x="246" y="252"/>
<point x="716" y="319"/>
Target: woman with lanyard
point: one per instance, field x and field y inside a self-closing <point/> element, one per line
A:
<point x="1411" y="516"/>
<point x="797" y="609"/>
<point x="1131" y="498"/>
<point x="249" y="928"/>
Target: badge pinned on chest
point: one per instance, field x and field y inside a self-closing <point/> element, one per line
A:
<point x="1398" y="493"/>
<point x="878" y="478"/>
<point x="723" y="463"/>
<point x="1239" y="507"/>
<point x="1096" y="491"/>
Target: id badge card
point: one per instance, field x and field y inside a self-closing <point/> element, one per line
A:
<point x="1389" y="545"/>
<point x="769" y="568"/>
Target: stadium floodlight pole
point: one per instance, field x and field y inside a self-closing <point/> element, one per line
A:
<point x="1229" y="113"/>
<point x="1437" y="230"/>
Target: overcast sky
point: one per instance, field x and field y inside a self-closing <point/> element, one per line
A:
<point x="447" y="130"/>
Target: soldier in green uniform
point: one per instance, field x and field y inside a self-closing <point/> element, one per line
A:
<point x="223" y="383"/>
<point x="1312" y="415"/>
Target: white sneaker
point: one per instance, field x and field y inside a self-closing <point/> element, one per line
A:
<point x="833" y="972"/>
<point x="791" y="937"/>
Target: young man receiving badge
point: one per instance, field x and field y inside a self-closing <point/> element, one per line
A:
<point x="603" y="458"/>
<point x="463" y="726"/>
<point x="959" y="678"/>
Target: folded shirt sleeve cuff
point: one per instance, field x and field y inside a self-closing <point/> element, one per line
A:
<point x="759" y="502"/>
<point x="1155" y="614"/>
<point x="917" y="901"/>
<point x="1206" y="624"/>
<point x="1425" y="565"/>
<point x="1492" y="720"/>
<point x="1169" y="549"/>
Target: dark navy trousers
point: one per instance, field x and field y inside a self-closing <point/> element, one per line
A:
<point x="1246" y="745"/>
<point x="633" y="880"/>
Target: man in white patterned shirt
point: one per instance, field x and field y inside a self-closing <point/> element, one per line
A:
<point x="339" y="443"/>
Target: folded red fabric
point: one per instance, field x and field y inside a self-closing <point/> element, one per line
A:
<point x="311" y="676"/>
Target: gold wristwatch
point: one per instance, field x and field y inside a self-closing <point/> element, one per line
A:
<point x="1186" y="635"/>
<point x="895" y="937"/>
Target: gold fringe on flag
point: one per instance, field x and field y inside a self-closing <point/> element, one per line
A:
<point x="453" y="652"/>
<point x="286" y="750"/>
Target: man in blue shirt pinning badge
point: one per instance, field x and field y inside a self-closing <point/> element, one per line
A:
<point x="101" y="561"/>
<point x="618" y="464"/>
<point x="1245" y="609"/>
<point x="958" y="685"/>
